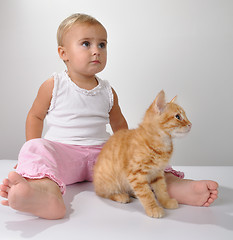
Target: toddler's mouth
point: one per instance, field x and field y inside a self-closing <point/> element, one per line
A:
<point x="95" y="61"/>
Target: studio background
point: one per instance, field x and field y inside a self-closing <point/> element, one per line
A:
<point x="182" y="46"/>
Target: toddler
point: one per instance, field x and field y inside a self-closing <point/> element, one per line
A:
<point x="77" y="106"/>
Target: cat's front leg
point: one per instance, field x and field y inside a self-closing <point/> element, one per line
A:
<point x="143" y="192"/>
<point x="160" y="188"/>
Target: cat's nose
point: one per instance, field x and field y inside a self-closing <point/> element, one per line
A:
<point x="190" y="125"/>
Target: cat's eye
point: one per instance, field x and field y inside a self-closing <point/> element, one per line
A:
<point x="178" y="116"/>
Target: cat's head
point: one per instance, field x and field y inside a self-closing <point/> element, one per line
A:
<point x="169" y="117"/>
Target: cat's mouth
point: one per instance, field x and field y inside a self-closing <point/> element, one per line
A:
<point x="181" y="132"/>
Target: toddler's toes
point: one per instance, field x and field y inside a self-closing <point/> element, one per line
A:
<point x="5" y="202"/>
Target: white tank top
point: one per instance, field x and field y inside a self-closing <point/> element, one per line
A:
<point x="78" y="116"/>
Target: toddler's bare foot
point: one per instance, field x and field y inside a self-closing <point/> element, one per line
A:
<point x="189" y="192"/>
<point x="40" y="197"/>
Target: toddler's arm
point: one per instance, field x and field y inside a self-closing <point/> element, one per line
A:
<point x="117" y="120"/>
<point x="39" y="109"/>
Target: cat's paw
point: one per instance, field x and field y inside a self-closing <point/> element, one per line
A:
<point x="156" y="212"/>
<point x="170" y="204"/>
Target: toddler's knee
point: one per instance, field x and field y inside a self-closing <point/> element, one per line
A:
<point x="34" y="145"/>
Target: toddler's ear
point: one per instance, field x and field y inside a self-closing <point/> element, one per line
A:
<point x="62" y="53"/>
<point x="159" y="102"/>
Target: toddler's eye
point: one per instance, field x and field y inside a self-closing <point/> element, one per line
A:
<point x="86" y="44"/>
<point x="102" y="45"/>
<point x="178" y="116"/>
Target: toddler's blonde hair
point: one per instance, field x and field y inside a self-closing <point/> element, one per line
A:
<point x="70" y="21"/>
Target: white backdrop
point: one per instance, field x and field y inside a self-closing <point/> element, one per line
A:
<point x="182" y="46"/>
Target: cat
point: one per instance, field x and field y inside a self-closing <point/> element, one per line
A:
<point x="132" y="162"/>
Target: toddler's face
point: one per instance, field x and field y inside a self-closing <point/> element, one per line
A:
<point x="85" y="49"/>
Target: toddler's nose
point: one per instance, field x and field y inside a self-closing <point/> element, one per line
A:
<point x="95" y="51"/>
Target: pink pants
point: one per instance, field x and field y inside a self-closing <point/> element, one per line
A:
<point x="63" y="163"/>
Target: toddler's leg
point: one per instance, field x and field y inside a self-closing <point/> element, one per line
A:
<point x="195" y="193"/>
<point x="40" y="197"/>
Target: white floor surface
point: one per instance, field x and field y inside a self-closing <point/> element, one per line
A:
<point x="91" y="217"/>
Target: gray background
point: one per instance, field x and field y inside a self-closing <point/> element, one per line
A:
<point x="182" y="46"/>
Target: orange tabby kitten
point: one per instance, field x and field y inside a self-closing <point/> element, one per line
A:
<point x="132" y="162"/>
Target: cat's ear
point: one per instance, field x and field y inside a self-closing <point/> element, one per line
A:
<point x="173" y="99"/>
<point x="160" y="102"/>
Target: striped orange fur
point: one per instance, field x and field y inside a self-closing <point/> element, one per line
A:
<point x="132" y="162"/>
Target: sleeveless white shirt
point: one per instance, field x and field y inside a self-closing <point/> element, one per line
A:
<point x="78" y="116"/>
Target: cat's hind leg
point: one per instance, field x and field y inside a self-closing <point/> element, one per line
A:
<point x="109" y="188"/>
<point x="120" y="197"/>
